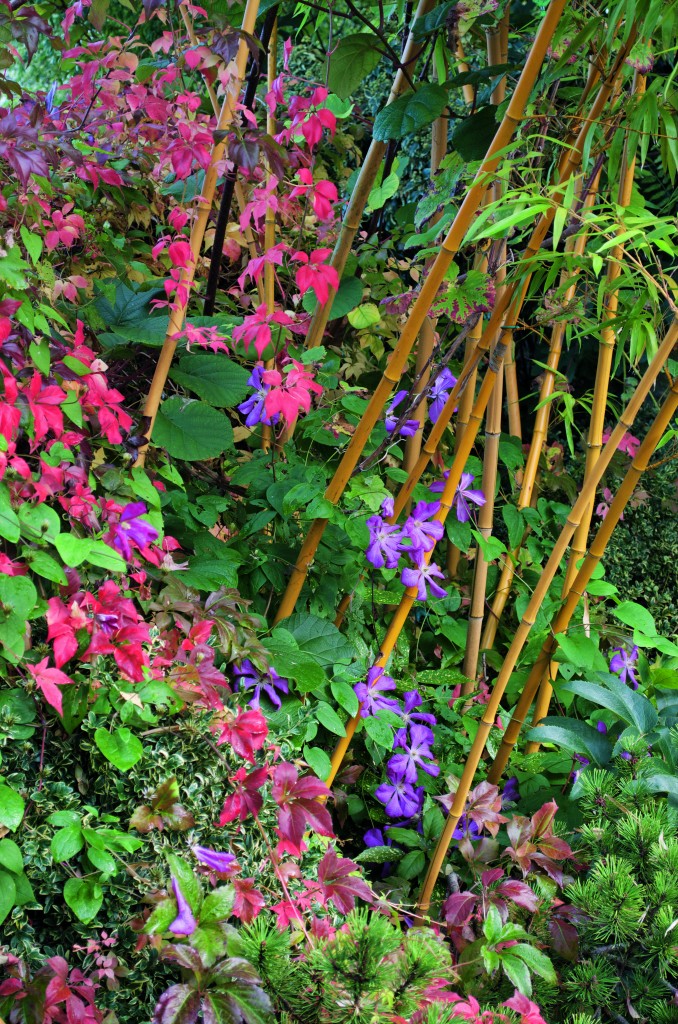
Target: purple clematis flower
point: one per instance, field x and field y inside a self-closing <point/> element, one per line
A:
<point x="216" y="860"/>
<point x="420" y="576"/>
<point x="132" y="530"/>
<point x="254" y="407"/>
<point x="400" y="798"/>
<point x="384" y="546"/>
<point x="420" y="529"/>
<point x="375" y="837"/>
<point x="388" y="507"/>
<point x="184" y="923"/>
<point x="440" y="392"/>
<point x="270" y="682"/>
<point x="510" y="793"/>
<point x="412" y="700"/>
<point x="409" y="427"/>
<point x="370" y="693"/>
<point x="623" y="662"/>
<point x="418" y="754"/>
<point x="466" y="829"/>
<point x="464" y="495"/>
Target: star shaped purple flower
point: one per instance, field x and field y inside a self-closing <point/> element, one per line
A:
<point x="411" y="700"/>
<point x="132" y="530"/>
<point x="417" y="754"/>
<point x="384" y="546"/>
<point x="463" y="495"/>
<point x="440" y="392"/>
<point x="216" y="860"/>
<point x="371" y="693"/>
<point x="409" y="427"/>
<point x="400" y="798"/>
<point x="270" y="682"/>
<point x="421" y="575"/>
<point x="623" y="662"/>
<point x="421" y="529"/>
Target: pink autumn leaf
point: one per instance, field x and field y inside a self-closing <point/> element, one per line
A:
<point x="48" y="681"/>
<point x="339" y="884"/>
<point x="298" y="804"/>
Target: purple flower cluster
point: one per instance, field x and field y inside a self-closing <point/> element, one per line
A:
<point x="270" y="682"/>
<point x="409" y="427"/>
<point x="416" y="538"/>
<point x="131" y="530"/>
<point x="439" y="392"/>
<point x="254" y="407"/>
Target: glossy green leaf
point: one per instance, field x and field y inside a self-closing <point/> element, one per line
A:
<point x="213" y="377"/>
<point x="11" y="808"/>
<point x="66" y="843"/>
<point x="575" y="736"/>
<point x="410" y="112"/>
<point x="120" y="747"/>
<point x="351" y="61"/>
<point x="84" y="897"/>
<point x="192" y="430"/>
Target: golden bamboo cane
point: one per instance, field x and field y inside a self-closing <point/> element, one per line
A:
<point x="510" y="302"/>
<point x="450" y="247"/>
<point x="577" y="246"/>
<point x="603" y="372"/>
<point x="582" y="578"/>
<point x="178" y="314"/>
<point x="363" y="186"/>
<point x="528" y="619"/>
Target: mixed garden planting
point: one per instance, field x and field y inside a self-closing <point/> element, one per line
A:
<point x="338" y="512"/>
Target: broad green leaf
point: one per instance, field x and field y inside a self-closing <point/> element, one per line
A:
<point x="631" y="707"/>
<point x="7" y="894"/>
<point x="517" y="973"/>
<point x="578" y="737"/>
<point x="472" y="137"/>
<point x="9" y="521"/>
<point x="351" y="61"/>
<point x="367" y="315"/>
<point x="291" y="662"/>
<point x="491" y="547"/>
<point x="120" y="747"/>
<point x="179" y="1004"/>
<point x="44" y="565"/>
<point x="380" y="194"/>
<point x="66" y="843"/>
<point x="662" y="783"/>
<point x="345" y="696"/>
<point x="636" y="616"/>
<point x="84" y="897"/>
<point x="10" y="856"/>
<point x="105" y="556"/>
<point x="581" y="651"/>
<point x="492" y="925"/>
<point x="412" y="864"/>
<point x="188" y="883"/>
<point x="32" y="242"/>
<point x="319" y="761"/>
<point x="19" y="594"/>
<point x="217" y="905"/>
<point x="379" y="731"/>
<point x="191" y="430"/>
<point x="514" y="524"/>
<point x="378" y="855"/>
<point x="237" y="1002"/>
<point x="213" y="377"/>
<point x="410" y="112"/>
<point x="319" y="638"/>
<point x="537" y="961"/>
<point x="433" y="20"/>
<point x="328" y="717"/>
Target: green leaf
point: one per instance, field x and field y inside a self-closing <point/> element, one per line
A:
<point x="44" y="565"/>
<point x="84" y="897"/>
<point x="410" y="112"/>
<point x="492" y="924"/>
<point x="213" y="377"/>
<point x="514" y="524"/>
<point x="345" y="696"/>
<point x="102" y="861"/>
<point x="662" y="783"/>
<point x="217" y="905"/>
<point x="292" y="663"/>
<point x="378" y="855"/>
<point x="9" y="521"/>
<point x="347" y="298"/>
<point x="191" y="430"/>
<point x="578" y="737"/>
<point x="32" y="242"/>
<point x="106" y="557"/>
<point x="120" y="747"/>
<point x="631" y="707"/>
<point x="7" y="894"/>
<point x="328" y="717"/>
<point x="537" y="961"/>
<point x="76" y="550"/>
<point x="491" y="547"/>
<point x="471" y="137"/>
<point x="352" y="60"/>
<point x="412" y="864"/>
<point x="10" y="856"/>
<point x="66" y="843"/>
<point x="188" y="883"/>
<point x="433" y="20"/>
<point x="364" y="316"/>
<point x="636" y="616"/>
<point x="319" y="761"/>
<point x="319" y="638"/>
<point x="581" y="651"/>
<point x="380" y="732"/>
<point x="18" y="594"/>
<point x="517" y="973"/>
<point x="11" y="808"/>
<point x="380" y="194"/>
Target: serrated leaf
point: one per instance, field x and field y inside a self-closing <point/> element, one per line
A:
<point x="213" y="377"/>
<point x="581" y="651"/>
<point x="366" y="315"/>
<point x="217" y="905"/>
<point x="378" y="855"/>
<point x="179" y="1004"/>
<point x="410" y="112"/>
<point x="192" y="431"/>
<point x="517" y="973"/>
